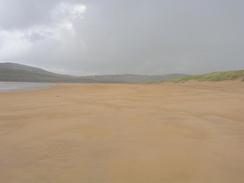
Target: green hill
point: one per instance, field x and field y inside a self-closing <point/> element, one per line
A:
<point x="215" y="76"/>
<point x="23" y="73"/>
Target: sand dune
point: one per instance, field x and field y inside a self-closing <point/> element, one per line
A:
<point x="172" y="133"/>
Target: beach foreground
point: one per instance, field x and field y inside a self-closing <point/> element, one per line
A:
<point x="119" y="133"/>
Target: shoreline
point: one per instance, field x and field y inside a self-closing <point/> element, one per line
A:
<point x="8" y="87"/>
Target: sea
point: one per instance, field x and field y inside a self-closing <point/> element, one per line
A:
<point x="22" y="86"/>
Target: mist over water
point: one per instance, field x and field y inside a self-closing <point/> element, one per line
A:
<point x="22" y="86"/>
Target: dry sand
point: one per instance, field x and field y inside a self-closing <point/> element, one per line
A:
<point x="172" y="133"/>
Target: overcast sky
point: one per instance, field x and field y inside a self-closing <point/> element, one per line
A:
<point x="123" y="36"/>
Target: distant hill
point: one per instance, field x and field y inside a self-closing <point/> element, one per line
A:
<point x="131" y="78"/>
<point x="21" y="73"/>
<point x="215" y="76"/>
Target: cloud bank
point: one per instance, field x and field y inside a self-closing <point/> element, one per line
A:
<point x="124" y="36"/>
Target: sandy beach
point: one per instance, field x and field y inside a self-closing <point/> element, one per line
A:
<point x="124" y="133"/>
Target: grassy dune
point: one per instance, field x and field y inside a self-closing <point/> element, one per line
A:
<point x="215" y="76"/>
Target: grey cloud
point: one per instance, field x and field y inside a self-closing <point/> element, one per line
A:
<point x="131" y="36"/>
<point x="21" y="14"/>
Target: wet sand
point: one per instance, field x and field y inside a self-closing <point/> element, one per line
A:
<point x="118" y="133"/>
